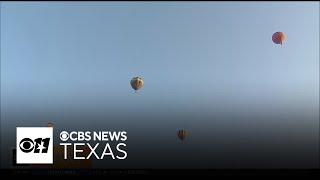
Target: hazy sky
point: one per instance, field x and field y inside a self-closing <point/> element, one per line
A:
<point x="83" y="55"/>
<point x="62" y="57"/>
<point x="55" y="50"/>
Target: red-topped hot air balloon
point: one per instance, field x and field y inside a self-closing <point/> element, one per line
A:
<point x="278" y="38"/>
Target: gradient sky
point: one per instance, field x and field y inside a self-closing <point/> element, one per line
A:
<point x="193" y="56"/>
<point x="180" y="49"/>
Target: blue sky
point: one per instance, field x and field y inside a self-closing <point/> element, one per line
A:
<point x="86" y="53"/>
<point x="160" y="39"/>
<point x="65" y="60"/>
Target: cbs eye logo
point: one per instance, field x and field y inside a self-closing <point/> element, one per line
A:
<point x="34" y="145"/>
<point x="38" y="145"/>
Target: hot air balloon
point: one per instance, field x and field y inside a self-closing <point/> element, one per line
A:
<point x="136" y="83"/>
<point x="182" y="134"/>
<point x="50" y="124"/>
<point x="278" y="38"/>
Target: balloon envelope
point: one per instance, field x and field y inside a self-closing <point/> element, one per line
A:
<point x="278" y="37"/>
<point x="136" y="83"/>
<point x="182" y="134"/>
<point x="50" y="124"/>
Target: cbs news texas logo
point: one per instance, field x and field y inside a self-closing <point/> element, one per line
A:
<point x="34" y="145"/>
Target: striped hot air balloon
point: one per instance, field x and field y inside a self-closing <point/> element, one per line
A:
<point x="182" y="134"/>
<point x="136" y="83"/>
<point x="278" y="38"/>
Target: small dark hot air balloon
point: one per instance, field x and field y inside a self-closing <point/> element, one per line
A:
<point x="50" y="124"/>
<point x="278" y="38"/>
<point x="136" y="83"/>
<point x="182" y="134"/>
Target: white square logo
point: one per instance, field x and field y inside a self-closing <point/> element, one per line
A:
<point x="34" y="145"/>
